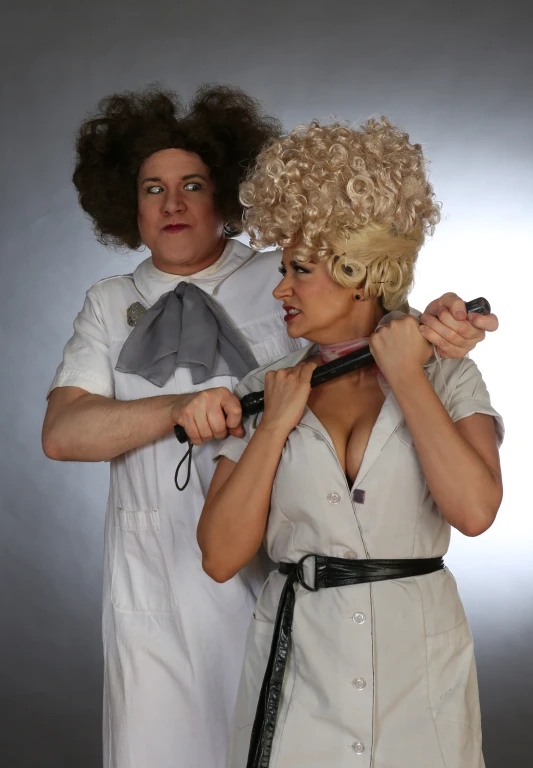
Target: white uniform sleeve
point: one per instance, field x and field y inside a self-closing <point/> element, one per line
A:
<point x="86" y="361"/>
<point x="471" y="396"/>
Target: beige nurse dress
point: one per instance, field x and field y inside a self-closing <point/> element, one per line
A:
<point x="380" y="675"/>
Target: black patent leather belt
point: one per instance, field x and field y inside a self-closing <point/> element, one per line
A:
<point x="329" y="572"/>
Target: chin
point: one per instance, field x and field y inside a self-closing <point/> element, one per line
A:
<point x="178" y="251"/>
<point x="295" y="333"/>
<point x="177" y="257"/>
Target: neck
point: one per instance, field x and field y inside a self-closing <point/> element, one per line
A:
<point x="354" y="335"/>
<point x="193" y="265"/>
<point x="363" y="325"/>
<point x="333" y="351"/>
<point x="369" y="313"/>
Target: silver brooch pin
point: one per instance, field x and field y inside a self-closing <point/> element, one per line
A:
<point x="135" y="313"/>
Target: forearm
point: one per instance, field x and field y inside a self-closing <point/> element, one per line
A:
<point x="233" y="521"/>
<point x="464" y="487"/>
<point x="96" y="428"/>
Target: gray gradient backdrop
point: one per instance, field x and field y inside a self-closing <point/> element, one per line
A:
<point x="457" y="76"/>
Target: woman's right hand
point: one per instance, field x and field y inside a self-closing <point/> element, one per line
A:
<point x="286" y="393"/>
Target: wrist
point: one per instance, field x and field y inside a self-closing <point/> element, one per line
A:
<point x="273" y="430"/>
<point x="173" y="409"/>
<point x="407" y="376"/>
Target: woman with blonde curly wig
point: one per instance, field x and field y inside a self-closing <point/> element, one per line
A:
<point x="359" y="651"/>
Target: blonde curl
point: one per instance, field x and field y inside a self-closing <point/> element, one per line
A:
<point x="357" y="199"/>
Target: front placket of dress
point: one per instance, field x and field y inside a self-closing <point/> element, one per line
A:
<point x="361" y="729"/>
<point x="389" y="419"/>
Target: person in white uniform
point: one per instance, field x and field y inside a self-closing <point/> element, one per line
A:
<point x="359" y="651"/>
<point x="152" y="172"/>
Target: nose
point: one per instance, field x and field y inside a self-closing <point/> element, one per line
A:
<point x="174" y="202"/>
<point x="283" y="289"/>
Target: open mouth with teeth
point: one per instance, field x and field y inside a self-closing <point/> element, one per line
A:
<point x="291" y="313"/>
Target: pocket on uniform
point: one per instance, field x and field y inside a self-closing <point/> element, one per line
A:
<point x="262" y="627"/>
<point x="140" y="581"/>
<point x="453" y="691"/>
<point x="274" y="342"/>
<point x="274" y="348"/>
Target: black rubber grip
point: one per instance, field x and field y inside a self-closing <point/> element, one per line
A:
<point x="254" y="402"/>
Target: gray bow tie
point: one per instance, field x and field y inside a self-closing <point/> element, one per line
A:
<point x="185" y="328"/>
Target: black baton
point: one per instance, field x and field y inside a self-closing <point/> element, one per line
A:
<point x="254" y="402"/>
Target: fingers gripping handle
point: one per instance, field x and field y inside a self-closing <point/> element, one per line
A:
<point x="255" y="401"/>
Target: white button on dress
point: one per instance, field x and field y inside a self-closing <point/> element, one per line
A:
<point x="157" y="644"/>
<point x="429" y="698"/>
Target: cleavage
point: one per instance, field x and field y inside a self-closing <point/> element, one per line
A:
<point x="348" y="413"/>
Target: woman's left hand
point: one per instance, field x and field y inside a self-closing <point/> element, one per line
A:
<point x="399" y="348"/>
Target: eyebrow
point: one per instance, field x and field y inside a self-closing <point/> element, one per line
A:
<point x="183" y="178"/>
<point x="293" y="263"/>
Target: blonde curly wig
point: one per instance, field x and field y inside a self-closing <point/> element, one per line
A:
<point x="357" y="199"/>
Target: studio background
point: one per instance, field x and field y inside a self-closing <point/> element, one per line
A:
<point x="458" y="77"/>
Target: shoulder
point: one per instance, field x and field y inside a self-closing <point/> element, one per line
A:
<point x="111" y="285"/>
<point x="452" y="369"/>
<point x="244" y="252"/>
<point x="113" y="292"/>
<point x="109" y="300"/>
<point x="455" y="379"/>
<point x="255" y="380"/>
<point x="259" y="264"/>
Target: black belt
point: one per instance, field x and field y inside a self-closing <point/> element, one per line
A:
<point x="329" y="572"/>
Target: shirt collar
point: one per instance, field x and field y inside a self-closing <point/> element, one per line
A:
<point x="153" y="283"/>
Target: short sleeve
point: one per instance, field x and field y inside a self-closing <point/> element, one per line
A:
<point x="234" y="447"/>
<point x="471" y="396"/>
<point x="86" y="361"/>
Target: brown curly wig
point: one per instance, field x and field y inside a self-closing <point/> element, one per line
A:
<point x="222" y="124"/>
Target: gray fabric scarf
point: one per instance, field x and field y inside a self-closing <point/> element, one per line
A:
<point x="185" y="328"/>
